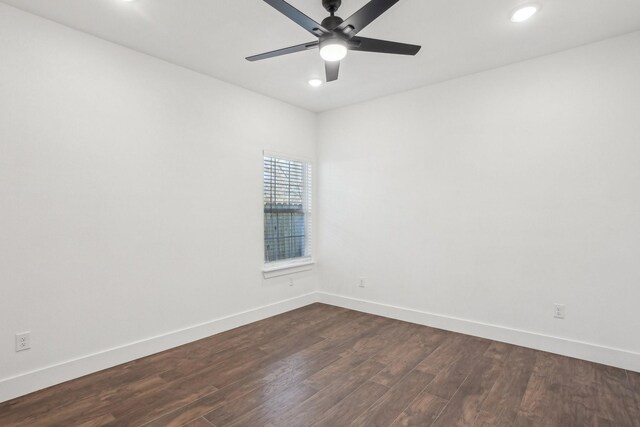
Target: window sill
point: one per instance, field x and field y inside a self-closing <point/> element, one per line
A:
<point x="285" y="268"/>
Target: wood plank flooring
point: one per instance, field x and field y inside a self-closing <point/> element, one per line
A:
<point x="327" y="366"/>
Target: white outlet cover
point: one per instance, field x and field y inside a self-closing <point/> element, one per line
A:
<point x="23" y="341"/>
<point x="559" y="311"/>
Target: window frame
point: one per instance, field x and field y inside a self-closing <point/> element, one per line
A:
<point x="304" y="263"/>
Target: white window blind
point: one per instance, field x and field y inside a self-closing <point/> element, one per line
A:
<point x="287" y="209"/>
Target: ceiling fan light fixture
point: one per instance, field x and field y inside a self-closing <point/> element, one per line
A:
<point x="333" y="49"/>
<point x="524" y="13"/>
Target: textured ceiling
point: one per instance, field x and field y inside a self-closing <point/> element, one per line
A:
<point x="459" y="37"/>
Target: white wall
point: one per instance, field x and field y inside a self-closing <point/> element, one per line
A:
<point x="491" y="197"/>
<point x="130" y="196"/>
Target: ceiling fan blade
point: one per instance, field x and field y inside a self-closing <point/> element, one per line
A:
<point x="298" y="17"/>
<point x="382" y="46"/>
<point x="284" y="51"/>
<point x="332" y="69"/>
<point x="365" y="16"/>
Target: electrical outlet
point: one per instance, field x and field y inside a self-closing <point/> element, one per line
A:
<point x="559" y="311"/>
<point x="23" y="341"/>
<point x="362" y="283"/>
<point x="290" y="281"/>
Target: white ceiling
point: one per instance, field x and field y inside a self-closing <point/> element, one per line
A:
<point x="459" y="37"/>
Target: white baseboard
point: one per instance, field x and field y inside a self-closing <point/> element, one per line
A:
<point x="580" y="350"/>
<point x="29" y="382"/>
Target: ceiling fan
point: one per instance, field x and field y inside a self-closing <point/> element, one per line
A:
<point x="337" y="36"/>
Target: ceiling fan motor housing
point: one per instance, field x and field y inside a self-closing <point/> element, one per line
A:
<point x="331" y="22"/>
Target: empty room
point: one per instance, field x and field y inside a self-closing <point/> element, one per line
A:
<point x="319" y="213"/>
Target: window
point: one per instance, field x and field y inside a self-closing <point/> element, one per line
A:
<point x="287" y="210"/>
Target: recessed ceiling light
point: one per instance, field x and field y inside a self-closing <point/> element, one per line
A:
<point x="525" y="12"/>
<point x="315" y="82"/>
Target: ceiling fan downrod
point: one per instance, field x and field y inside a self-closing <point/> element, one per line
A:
<point x="331" y="6"/>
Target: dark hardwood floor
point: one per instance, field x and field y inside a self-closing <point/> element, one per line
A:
<point x="327" y="366"/>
